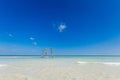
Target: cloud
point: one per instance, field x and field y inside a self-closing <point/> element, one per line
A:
<point x="62" y="27"/>
<point x="35" y="43"/>
<point x="32" y="39"/>
<point x="10" y="35"/>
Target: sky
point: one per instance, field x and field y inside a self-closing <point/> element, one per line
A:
<point x="70" y="27"/>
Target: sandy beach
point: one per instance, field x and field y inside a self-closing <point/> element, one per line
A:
<point x="52" y="69"/>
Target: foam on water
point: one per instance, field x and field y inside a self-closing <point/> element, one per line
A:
<point x="105" y="63"/>
<point x="80" y="62"/>
<point x="112" y="63"/>
<point x="2" y="65"/>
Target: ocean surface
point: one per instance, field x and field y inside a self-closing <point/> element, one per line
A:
<point x="72" y="67"/>
<point x="115" y="59"/>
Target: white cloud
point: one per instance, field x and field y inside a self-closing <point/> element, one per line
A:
<point x="62" y="27"/>
<point x="35" y="43"/>
<point x="31" y="38"/>
<point x="10" y="35"/>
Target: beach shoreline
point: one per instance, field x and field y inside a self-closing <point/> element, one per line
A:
<point x="58" y="69"/>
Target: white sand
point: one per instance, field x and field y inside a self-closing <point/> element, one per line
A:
<point x="58" y="70"/>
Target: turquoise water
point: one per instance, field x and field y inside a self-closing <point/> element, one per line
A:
<point x="88" y="58"/>
<point x="73" y="67"/>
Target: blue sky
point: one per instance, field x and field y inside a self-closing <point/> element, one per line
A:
<point x="69" y="26"/>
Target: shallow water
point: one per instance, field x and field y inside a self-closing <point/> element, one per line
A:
<point x="60" y="68"/>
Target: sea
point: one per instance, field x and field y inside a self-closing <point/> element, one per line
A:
<point x="81" y="59"/>
<point x="60" y="67"/>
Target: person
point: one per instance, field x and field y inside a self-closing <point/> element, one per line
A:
<point x="42" y="54"/>
<point x="51" y="51"/>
